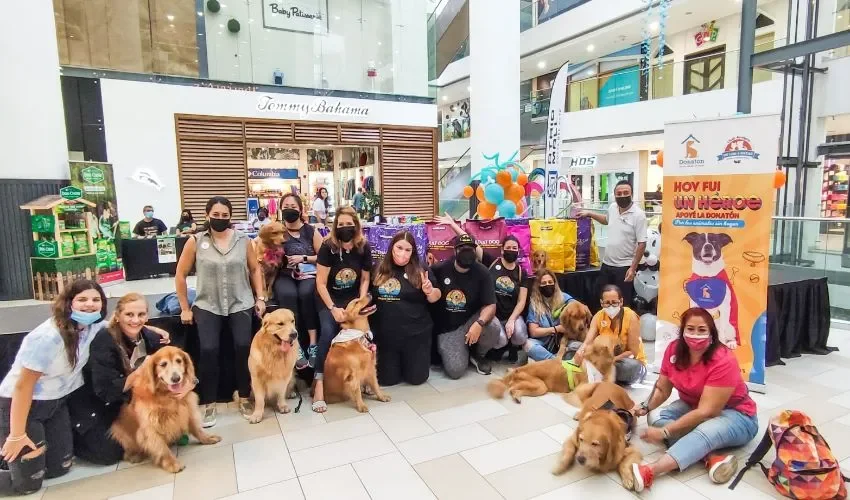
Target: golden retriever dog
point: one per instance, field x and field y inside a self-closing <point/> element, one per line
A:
<point x="599" y="443"/>
<point x="576" y="318"/>
<point x="351" y="360"/>
<point x="270" y="255"/>
<point x="271" y="362"/>
<point x="591" y="397"/>
<point x="156" y="415"/>
<point x="539" y="260"/>
<point x="540" y="377"/>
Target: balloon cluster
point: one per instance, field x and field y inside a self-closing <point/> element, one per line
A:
<point x="502" y="189"/>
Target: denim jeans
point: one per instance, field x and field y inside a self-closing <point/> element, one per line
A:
<point x="729" y="429"/>
<point x="538" y="351"/>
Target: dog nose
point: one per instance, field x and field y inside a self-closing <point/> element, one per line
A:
<point x="580" y="459"/>
<point x="175" y="378"/>
<point x="293" y="335"/>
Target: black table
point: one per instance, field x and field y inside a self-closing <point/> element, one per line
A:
<point x="141" y="258"/>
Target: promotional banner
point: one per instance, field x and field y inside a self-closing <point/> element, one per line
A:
<point x="718" y="202"/>
<point x="557" y="102"/>
<point x="97" y="183"/>
<point x="620" y="87"/>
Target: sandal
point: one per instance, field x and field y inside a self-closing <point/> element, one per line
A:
<point x="319" y="406"/>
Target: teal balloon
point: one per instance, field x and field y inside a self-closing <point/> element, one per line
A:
<point x="494" y="193"/>
<point x="514" y="174"/>
<point x="488" y="174"/>
<point x="507" y="208"/>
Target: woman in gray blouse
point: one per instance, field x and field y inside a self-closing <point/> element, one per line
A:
<point x="226" y="268"/>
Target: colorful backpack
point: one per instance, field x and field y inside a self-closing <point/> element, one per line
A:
<point x="805" y="468"/>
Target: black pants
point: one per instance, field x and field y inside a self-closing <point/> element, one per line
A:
<point x="328" y="328"/>
<point x="48" y="423"/>
<point x="211" y="327"/>
<point x="403" y="358"/>
<point x="299" y="296"/>
<point x="610" y="275"/>
<point x="97" y="446"/>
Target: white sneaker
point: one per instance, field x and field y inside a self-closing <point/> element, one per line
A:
<point x="209" y="413"/>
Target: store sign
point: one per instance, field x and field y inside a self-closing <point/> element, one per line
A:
<point x="46" y="249"/>
<point x="272" y="173"/>
<point x="316" y="109"/>
<point x="71" y="193"/>
<point x="707" y="33"/>
<point x="93" y="175"/>
<point x="584" y="161"/>
<point x="305" y="16"/>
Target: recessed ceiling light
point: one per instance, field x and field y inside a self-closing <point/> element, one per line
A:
<point x="541" y="64"/>
<point x="653" y="26"/>
<point x="445" y="98"/>
<point x="221" y="26"/>
<point x="250" y="20"/>
<point x="379" y="43"/>
<point x="590" y="48"/>
<point x="171" y="26"/>
<point x="169" y="17"/>
<point x="200" y="13"/>
<point x="336" y="17"/>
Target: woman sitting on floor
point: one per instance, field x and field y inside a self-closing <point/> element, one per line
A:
<point x="714" y="410"/>
<point x="544" y="327"/>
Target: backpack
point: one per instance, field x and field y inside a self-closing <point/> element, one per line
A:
<point x="805" y="468"/>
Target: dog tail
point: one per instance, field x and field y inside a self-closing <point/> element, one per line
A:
<point x="496" y="388"/>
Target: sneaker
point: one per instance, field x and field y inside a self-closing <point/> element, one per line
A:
<point x="481" y="363"/>
<point x="209" y="415"/>
<point x="302" y="362"/>
<point x="643" y="477"/>
<point x="246" y="406"/>
<point x="312" y="352"/>
<point x="721" y="467"/>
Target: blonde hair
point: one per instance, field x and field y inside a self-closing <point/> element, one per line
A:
<point x="359" y="241"/>
<point x="115" y="329"/>
<point x="540" y="305"/>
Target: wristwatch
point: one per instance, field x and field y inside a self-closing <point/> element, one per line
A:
<point x="304" y="258"/>
<point x="262" y="298"/>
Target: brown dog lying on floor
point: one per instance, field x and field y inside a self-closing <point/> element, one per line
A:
<point x="350" y="363"/>
<point x="269" y="250"/>
<point x="590" y="397"/>
<point x="160" y="410"/>
<point x="271" y="362"/>
<point x="552" y="375"/>
<point x="600" y="441"/>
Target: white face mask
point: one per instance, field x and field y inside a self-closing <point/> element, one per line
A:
<point x="612" y="311"/>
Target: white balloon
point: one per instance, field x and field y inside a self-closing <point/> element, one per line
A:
<point x="647" y="327"/>
<point x="652" y="260"/>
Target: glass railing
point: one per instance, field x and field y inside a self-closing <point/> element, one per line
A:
<point x="835" y="17"/>
<point x="462" y="51"/>
<point x="533" y="13"/>
<point x="357" y="46"/>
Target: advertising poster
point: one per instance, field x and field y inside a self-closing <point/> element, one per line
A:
<point x="620" y="87"/>
<point x="718" y="185"/>
<point x="97" y="183"/>
<point x="166" y="248"/>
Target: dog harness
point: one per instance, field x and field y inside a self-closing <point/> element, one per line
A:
<point x="625" y="415"/>
<point x="709" y="292"/>
<point x="349" y="334"/>
<point x="571" y="369"/>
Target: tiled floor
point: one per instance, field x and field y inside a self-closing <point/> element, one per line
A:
<point x="445" y="439"/>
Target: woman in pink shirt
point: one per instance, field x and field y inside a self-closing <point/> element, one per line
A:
<point x="714" y="410"/>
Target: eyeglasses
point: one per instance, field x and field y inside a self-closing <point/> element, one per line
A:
<point x="610" y="304"/>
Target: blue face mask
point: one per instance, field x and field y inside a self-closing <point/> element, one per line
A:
<point x="85" y="318"/>
<point x="149" y="214"/>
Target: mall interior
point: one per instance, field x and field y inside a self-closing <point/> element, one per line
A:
<point x="519" y="118"/>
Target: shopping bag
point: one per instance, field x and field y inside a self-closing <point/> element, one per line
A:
<point x="550" y="236"/>
<point x="522" y="232"/>
<point x="594" y="248"/>
<point x="570" y="244"/>
<point x="440" y="242"/>
<point x="584" y="237"/>
<point x="489" y="235"/>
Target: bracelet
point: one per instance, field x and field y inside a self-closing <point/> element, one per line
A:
<point x="15" y="439"/>
<point x="665" y="432"/>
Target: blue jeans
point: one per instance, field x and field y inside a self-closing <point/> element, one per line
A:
<point x="730" y="429"/>
<point x="538" y="351"/>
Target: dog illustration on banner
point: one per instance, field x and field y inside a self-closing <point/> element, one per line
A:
<point x="709" y="286"/>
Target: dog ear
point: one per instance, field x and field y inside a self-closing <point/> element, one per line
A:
<point x="691" y="237"/>
<point x="144" y="377"/>
<point x="190" y="366"/>
<point x="724" y="239"/>
<point x="616" y="444"/>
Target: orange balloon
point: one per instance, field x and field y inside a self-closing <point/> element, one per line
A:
<point x="779" y="179"/>
<point x="659" y="158"/>
<point x="486" y="210"/>
<point x="515" y="192"/>
<point x="468" y="191"/>
<point x="504" y="178"/>
<point x="522" y="179"/>
<point x="479" y="193"/>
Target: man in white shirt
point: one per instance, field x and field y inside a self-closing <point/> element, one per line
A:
<point x="626" y="240"/>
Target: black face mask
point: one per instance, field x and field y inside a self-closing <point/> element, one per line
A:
<point x="261" y="217"/>
<point x="510" y="256"/>
<point x="219" y="225"/>
<point x="291" y="215"/>
<point x="547" y="290"/>
<point x="465" y="258"/>
<point x="623" y="201"/>
<point x="345" y="234"/>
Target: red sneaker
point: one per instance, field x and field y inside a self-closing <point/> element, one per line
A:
<point x="721" y="467"/>
<point x="643" y="477"/>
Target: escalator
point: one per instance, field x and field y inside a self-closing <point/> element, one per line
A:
<point x="448" y="34"/>
<point x="451" y="184"/>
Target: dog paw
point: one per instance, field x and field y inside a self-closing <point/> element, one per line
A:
<point x="628" y="479"/>
<point x="362" y="408"/>
<point x="255" y="418"/>
<point x="134" y="458"/>
<point x="210" y="439"/>
<point x="292" y="395"/>
<point x="284" y="408"/>
<point x="383" y="398"/>
<point x="172" y="465"/>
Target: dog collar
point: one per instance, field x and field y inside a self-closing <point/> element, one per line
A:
<point x="571" y="369"/>
<point x="625" y="415"/>
<point x="349" y="334"/>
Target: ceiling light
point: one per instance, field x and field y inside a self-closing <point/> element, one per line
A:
<point x="590" y="48"/>
<point x="171" y="26"/>
<point x="221" y="26"/>
<point x="653" y="26"/>
<point x="591" y="72"/>
<point x="336" y="17"/>
<point x="169" y="17"/>
<point x="250" y="20"/>
<point x="541" y="65"/>
<point x="200" y="13"/>
<point x="379" y="43"/>
<point x="445" y="98"/>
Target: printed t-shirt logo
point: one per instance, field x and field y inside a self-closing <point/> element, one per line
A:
<point x="345" y="278"/>
<point x="389" y="290"/>
<point x="505" y="285"/>
<point x="455" y="301"/>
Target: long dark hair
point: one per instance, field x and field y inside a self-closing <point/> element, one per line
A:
<point x="67" y="327"/>
<point x="297" y="202"/>
<point x="683" y="357"/>
<point x="187" y="218"/>
<point x="413" y="268"/>
<point x="219" y="200"/>
<point x="359" y="240"/>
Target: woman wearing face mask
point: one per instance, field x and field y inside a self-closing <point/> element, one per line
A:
<point x="186" y="224"/>
<point x="511" y="294"/>
<point x="295" y="286"/>
<point x="321" y="206"/>
<point x="714" y="410"/>
<point x="402" y="324"/>
<point x="344" y="267"/>
<point x="262" y="218"/>
<point x="33" y="395"/>
<point x="229" y="290"/>
<point x="543" y="326"/>
<point x="623" y="325"/>
<point x="116" y="350"/>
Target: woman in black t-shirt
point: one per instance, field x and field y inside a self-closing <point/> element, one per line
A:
<point x="344" y="267"/>
<point x="511" y="294"/>
<point x="402" y="324"/>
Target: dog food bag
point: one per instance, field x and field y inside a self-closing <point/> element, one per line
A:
<point x="81" y="244"/>
<point x="440" y="242"/>
<point x="420" y="236"/>
<point x="570" y="239"/>
<point x="379" y="237"/>
<point x="489" y="235"/>
<point x="594" y="248"/>
<point x="584" y="235"/>
<point x="522" y="232"/>
<point x="550" y="236"/>
<point x="67" y="243"/>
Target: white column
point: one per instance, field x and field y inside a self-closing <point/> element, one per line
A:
<point x="410" y="47"/>
<point x="494" y="80"/>
<point x="32" y="117"/>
